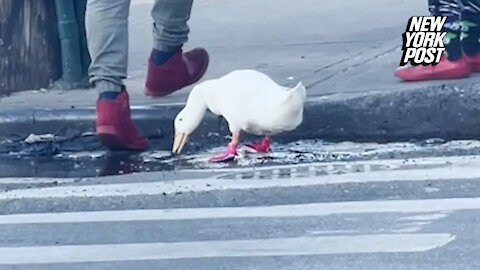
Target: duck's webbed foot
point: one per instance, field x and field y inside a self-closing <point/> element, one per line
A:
<point x="259" y="147"/>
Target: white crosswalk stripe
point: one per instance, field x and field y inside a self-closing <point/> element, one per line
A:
<point x="277" y="211"/>
<point x="386" y="243"/>
<point x="398" y="242"/>
<point x="405" y="235"/>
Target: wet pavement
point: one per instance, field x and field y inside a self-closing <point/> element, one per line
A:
<point x="306" y="205"/>
<point x="78" y="155"/>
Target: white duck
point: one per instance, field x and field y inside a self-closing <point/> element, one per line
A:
<point x="250" y="101"/>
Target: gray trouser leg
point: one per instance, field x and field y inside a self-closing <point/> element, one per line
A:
<point x="107" y="36"/>
<point x="170" y="28"/>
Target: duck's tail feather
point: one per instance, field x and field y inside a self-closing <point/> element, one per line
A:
<point x="297" y="94"/>
<point x="290" y="112"/>
<point x="294" y="101"/>
<point x="300" y="90"/>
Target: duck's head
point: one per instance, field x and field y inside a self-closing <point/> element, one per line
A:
<point x="188" y="120"/>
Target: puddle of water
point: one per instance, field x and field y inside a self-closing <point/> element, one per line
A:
<point x="74" y="163"/>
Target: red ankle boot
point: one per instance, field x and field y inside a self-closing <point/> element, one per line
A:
<point x="180" y="70"/>
<point x="115" y="127"/>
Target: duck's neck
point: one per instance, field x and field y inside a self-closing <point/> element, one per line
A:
<point x="196" y="104"/>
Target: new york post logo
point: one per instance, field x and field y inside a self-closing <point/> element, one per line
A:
<point x="423" y="41"/>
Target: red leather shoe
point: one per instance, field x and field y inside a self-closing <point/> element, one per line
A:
<point x="444" y="70"/>
<point x="474" y="62"/>
<point x="115" y="127"/>
<point x="180" y="70"/>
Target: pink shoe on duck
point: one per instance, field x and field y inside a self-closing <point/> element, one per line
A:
<point x="228" y="155"/>
<point x="260" y="147"/>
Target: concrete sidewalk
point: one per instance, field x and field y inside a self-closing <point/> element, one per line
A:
<point x="344" y="51"/>
<point x="306" y="40"/>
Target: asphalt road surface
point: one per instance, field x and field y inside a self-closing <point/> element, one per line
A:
<point x="395" y="214"/>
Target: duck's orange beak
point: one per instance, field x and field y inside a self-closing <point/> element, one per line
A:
<point x="179" y="142"/>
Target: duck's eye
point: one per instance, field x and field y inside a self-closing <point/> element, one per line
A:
<point x="180" y="120"/>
